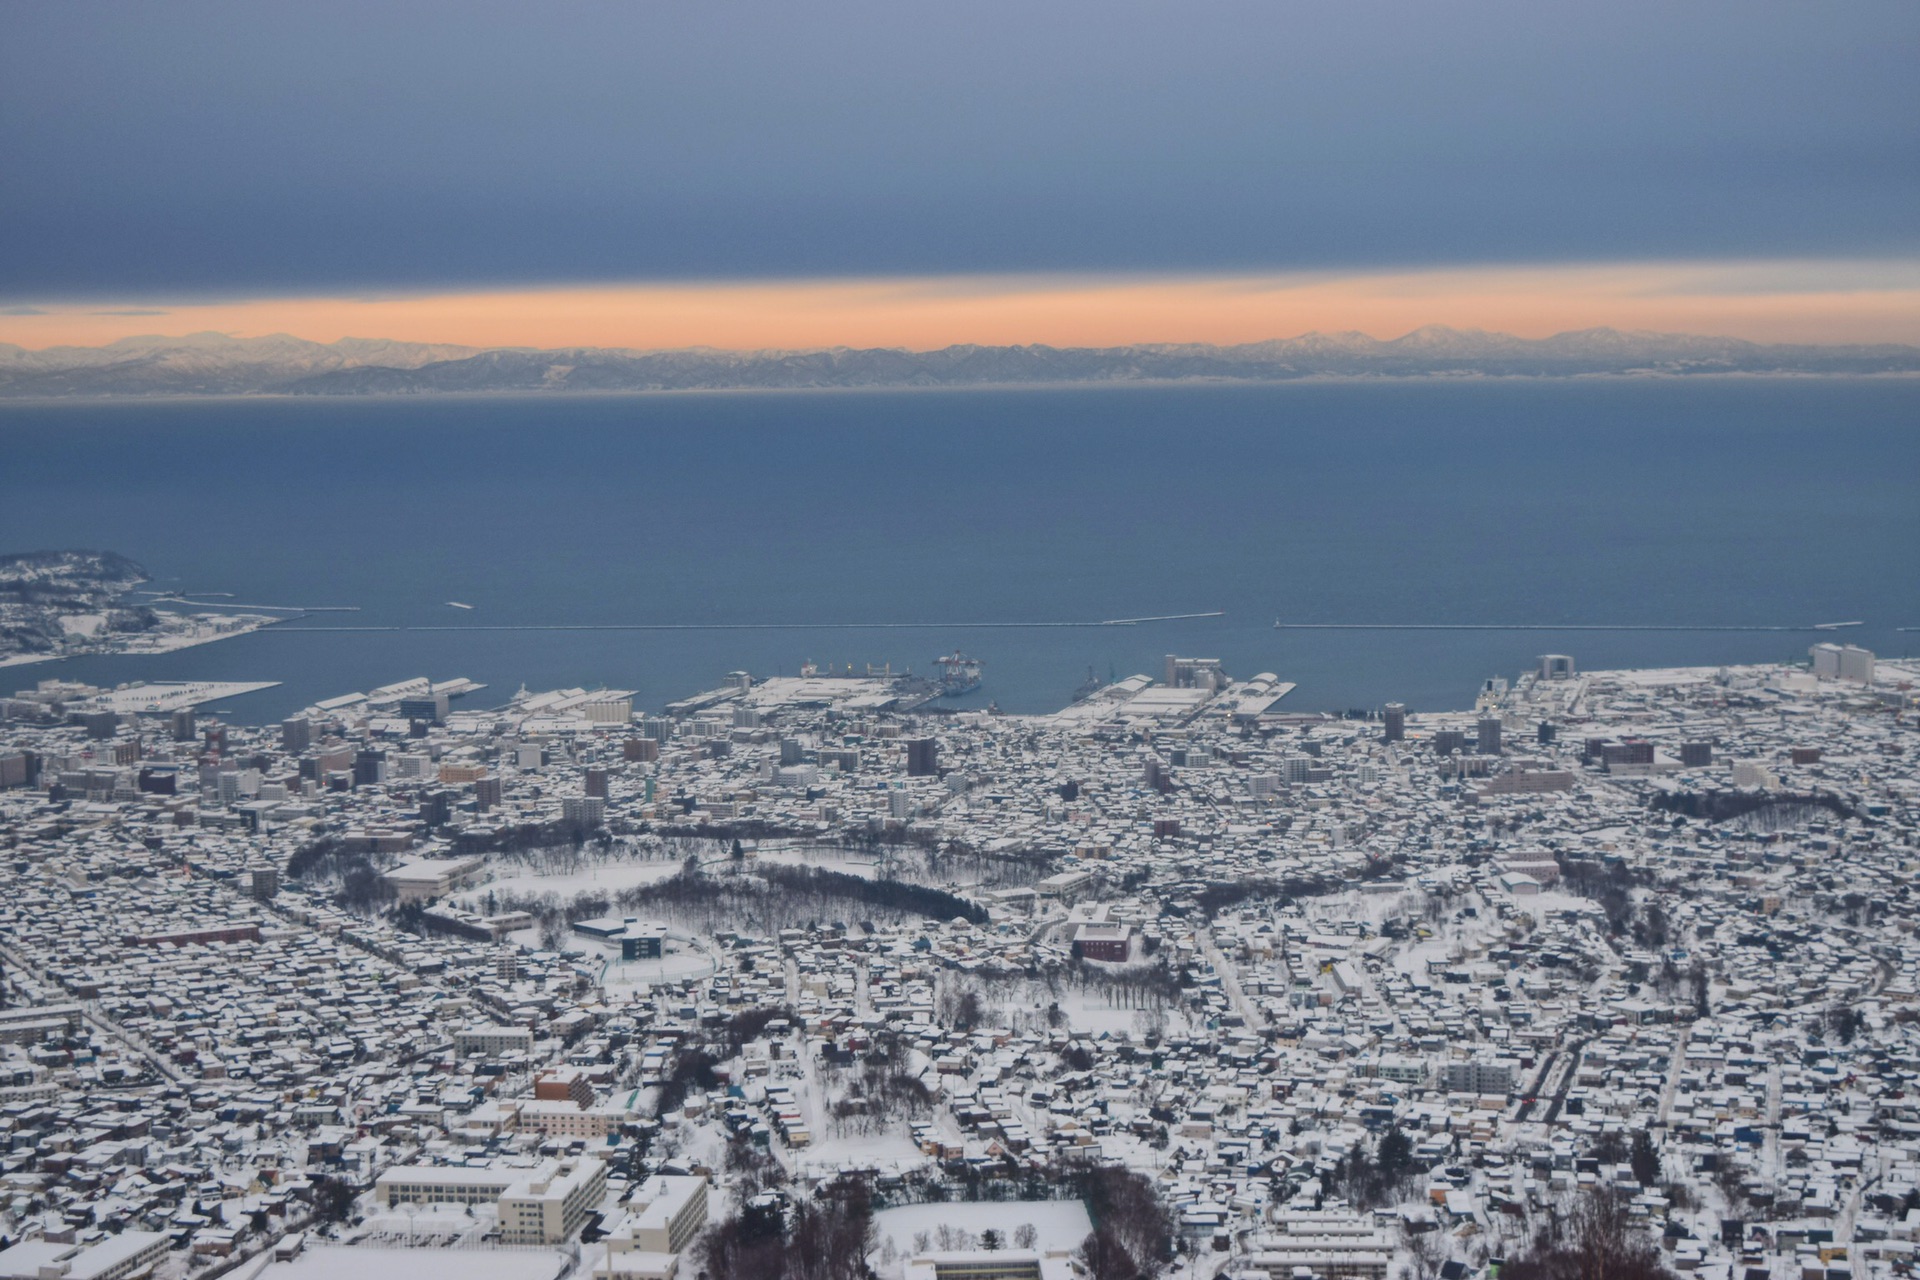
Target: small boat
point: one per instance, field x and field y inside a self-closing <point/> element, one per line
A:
<point x="455" y="604"/>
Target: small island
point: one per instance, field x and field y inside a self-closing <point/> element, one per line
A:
<point x="61" y="604"/>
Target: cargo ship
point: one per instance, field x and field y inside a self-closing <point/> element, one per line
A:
<point x="959" y="674"/>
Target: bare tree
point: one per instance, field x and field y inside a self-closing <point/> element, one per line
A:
<point x="1603" y="1245"/>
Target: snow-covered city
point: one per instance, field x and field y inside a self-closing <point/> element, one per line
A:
<point x="1618" y="964"/>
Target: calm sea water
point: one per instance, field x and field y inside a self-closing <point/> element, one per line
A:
<point x="1723" y="502"/>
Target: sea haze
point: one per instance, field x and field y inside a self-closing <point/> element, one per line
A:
<point x="1705" y="501"/>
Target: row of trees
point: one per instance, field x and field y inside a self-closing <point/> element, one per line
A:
<point x="1132" y="1237"/>
<point x="1221" y="895"/>
<point x="1754" y="810"/>
<point x="773" y="1238"/>
<point x="880" y="1090"/>
<point x="1639" y="1152"/>
<point x="692" y="1068"/>
<point x="1381" y="1176"/>
<point x="771" y="897"/>
<point x="328" y="859"/>
<point x="1609" y="884"/>
<point x="1029" y="1002"/>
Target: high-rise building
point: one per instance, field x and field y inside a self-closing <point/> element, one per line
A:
<point x="430" y="707"/>
<point x="265" y="882"/>
<point x="596" y="781"/>
<point x="436" y="807"/>
<point x="369" y="767"/>
<point x="584" y="811"/>
<point x="1842" y="662"/>
<point x="1396" y="722"/>
<point x="923" y="757"/>
<point x="1446" y="742"/>
<point x="1556" y="666"/>
<point x="607" y="710"/>
<point x="296" y="735"/>
<point x="1489" y="735"/>
<point x="182" y="725"/>
<point x="1696" y="755"/>
<point x="899" y="804"/>
<point x="1856" y="664"/>
<point x="1477" y="1077"/>
<point x="1631" y="751"/>
<point x="486" y="792"/>
<point x="410" y="767"/>
<point x="100" y="725"/>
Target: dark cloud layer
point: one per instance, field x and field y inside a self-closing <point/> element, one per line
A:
<point x="236" y="148"/>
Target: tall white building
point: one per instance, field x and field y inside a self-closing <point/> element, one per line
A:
<point x="584" y="811"/>
<point x="1842" y="662"/>
<point x="1477" y="1077"/>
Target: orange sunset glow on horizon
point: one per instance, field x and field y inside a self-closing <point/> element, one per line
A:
<point x="1794" y="301"/>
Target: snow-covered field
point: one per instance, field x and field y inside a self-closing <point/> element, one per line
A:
<point x="322" y="1263"/>
<point x="1058" y="1224"/>
<point x="893" y="1152"/>
<point x="1093" y="1012"/>
<point x="826" y="859"/>
<point x="683" y="961"/>
<point x="608" y="878"/>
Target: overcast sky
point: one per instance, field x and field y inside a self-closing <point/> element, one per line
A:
<point x="248" y="148"/>
<point x="162" y="155"/>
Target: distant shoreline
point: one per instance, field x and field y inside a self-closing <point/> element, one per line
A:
<point x="1088" y="384"/>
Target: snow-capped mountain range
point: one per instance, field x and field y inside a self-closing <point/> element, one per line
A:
<point x="215" y="364"/>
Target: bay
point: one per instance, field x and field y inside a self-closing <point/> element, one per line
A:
<point x="1660" y="501"/>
